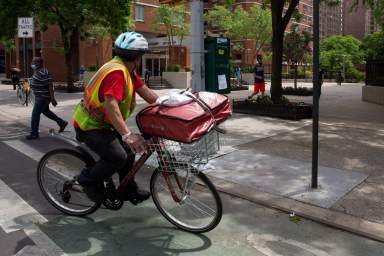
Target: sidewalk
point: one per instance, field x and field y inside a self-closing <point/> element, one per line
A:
<point x="278" y="166"/>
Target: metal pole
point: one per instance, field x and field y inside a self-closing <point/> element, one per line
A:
<point x="24" y="58"/>
<point x="316" y="94"/>
<point x="197" y="53"/>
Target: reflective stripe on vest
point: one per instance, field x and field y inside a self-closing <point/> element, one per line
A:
<point x="90" y="113"/>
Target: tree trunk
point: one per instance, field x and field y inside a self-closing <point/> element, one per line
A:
<point x="295" y="79"/>
<point x="277" y="60"/>
<point x="70" y="41"/>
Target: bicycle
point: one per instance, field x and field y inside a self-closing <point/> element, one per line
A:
<point x="24" y="93"/>
<point x="181" y="192"/>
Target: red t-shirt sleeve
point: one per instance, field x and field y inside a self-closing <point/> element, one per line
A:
<point x="113" y="85"/>
<point x="137" y="81"/>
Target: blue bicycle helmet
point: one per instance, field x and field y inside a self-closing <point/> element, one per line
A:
<point x="130" y="45"/>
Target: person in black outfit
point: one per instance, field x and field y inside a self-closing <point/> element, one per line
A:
<point x="43" y="90"/>
<point x="15" y="77"/>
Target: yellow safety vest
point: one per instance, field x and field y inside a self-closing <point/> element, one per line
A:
<point x="90" y="113"/>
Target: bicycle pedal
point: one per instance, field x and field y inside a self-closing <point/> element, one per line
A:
<point x="113" y="203"/>
<point x="135" y="201"/>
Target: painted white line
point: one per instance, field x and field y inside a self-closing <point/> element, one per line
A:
<point x="263" y="244"/>
<point x="15" y="213"/>
<point x="25" y="149"/>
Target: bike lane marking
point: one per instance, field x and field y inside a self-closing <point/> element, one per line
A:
<point x="16" y="214"/>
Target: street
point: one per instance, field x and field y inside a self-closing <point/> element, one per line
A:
<point x="29" y="225"/>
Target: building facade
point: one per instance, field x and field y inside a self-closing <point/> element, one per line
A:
<point x="330" y="20"/>
<point x="358" y="22"/>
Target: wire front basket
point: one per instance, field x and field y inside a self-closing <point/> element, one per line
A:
<point x="172" y="155"/>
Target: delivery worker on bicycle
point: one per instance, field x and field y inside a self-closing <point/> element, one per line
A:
<point x="100" y="118"/>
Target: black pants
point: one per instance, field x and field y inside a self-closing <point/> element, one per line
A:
<point x="114" y="155"/>
<point x="41" y="106"/>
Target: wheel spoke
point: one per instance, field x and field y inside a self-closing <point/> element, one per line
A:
<point x="57" y="167"/>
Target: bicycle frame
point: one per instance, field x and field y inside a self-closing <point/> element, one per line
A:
<point x="137" y="166"/>
<point x="166" y="174"/>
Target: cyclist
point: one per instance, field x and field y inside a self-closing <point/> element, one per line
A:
<point x="100" y="118"/>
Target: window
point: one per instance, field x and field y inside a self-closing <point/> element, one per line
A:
<point x="139" y="13"/>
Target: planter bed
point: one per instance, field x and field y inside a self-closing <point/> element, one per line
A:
<point x="64" y="88"/>
<point x="300" y="91"/>
<point x="293" y="111"/>
<point x="239" y="88"/>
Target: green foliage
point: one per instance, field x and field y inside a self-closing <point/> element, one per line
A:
<point x="266" y="100"/>
<point x="239" y="24"/>
<point x="337" y="51"/>
<point x="174" y="20"/>
<point x="296" y="46"/>
<point x="373" y="45"/>
<point x="91" y="68"/>
<point x="10" y="10"/>
<point x="174" y="68"/>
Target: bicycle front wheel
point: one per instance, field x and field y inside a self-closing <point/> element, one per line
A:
<point x="187" y="199"/>
<point x="56" y="173"/>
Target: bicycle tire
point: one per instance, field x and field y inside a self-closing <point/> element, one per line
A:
<point x="54" y="202"/>
<point x="20" y="95"/>
<point x="31" y="97"/>
<point x="172" y="219"/>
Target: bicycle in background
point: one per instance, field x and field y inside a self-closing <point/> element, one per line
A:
<point x="24" y="93"/>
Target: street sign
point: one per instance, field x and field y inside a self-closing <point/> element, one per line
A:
<point x="25" y="27"/>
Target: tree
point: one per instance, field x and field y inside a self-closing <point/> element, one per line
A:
<point x="377" y="8"/>
<point x="296" y="47"/>
<point x="240" y="24"/>
<point x="9" y="13"/>
<point x="282" y="12"/>
<point x="74" y="18"/>
<point x="373" y="45"/>
<point x="174" y="20"/>
<point x="341" y="52"/>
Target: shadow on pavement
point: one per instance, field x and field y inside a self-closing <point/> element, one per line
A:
<point x="120" y="235"/>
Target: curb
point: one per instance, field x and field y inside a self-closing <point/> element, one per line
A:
<point x="325" y="216"/>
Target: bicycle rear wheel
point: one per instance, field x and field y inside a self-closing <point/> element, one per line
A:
<point x="55" y="175"/>
<point x="31" y="97"/>
<point x="194" y="204"/>
<point x="20" y="95"/>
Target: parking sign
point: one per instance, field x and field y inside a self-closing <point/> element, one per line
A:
<point x="25" y="27"/>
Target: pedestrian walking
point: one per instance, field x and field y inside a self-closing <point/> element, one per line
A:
<point x="15" y="77"/>
<point x="339" y="77"/>
<point x="42" y="87"/>
<point x="238" y="75"/>
<point x="146" y="76"/>
<point x="81" y="73"/>
<point x="259" y="85"/>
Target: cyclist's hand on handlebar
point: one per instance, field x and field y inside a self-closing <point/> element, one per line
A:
<point x="136" y="142"/>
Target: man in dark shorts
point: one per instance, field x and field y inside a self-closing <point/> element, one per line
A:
<point x="259" y="85"/>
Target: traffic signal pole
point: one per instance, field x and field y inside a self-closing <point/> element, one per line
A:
<point x="316" y="95"/>
<point x="197" y="53"/>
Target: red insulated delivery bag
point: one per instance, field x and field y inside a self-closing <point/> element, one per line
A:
<point x="186" y="123"/>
